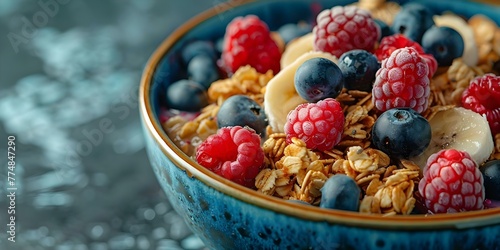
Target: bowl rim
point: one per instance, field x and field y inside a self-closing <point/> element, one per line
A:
<point x="151" y="124"/>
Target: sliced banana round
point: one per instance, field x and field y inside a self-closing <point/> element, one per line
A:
<point x="471" y="53"/>
<point x="281" y="97"/>
<point x="460" y="129"/>
<point x="296" y="48"/>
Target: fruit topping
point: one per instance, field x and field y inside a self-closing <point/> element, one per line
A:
<point x="296" y="48"/>
<point x="358" y="68"/>
<point x="318" y="78"/>
<point x="431" y="63"/>
<point x="393" y="42"/>
<point x="402" y="81"/>
<point x="491" y="176"/>
<point x="281" y="96"/>
<point x="241" y="110"/>
<point x="397" y="41"/>
<point x="203" y="70"/>
<point x="196" y="48"/>
<point x="319" y="125"/>
<point x="460" y="129"/>
<point x="444" y="43"/>
<point x="341" y="29"/>
<point x="452" y="183"/>
<point x="483" y="97"/>
<point x="401" y="133"/>
<point x="340" y="192"/>
<point x="491" y="203"/>
<point x="412" y="21"/>
<point x="233" y="153"/>
<point x="470" y="53"/>
<point x="186" y="95"/>
<point x="248" y="42"/>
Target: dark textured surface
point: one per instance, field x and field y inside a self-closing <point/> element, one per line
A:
<point x="68" y="93"/>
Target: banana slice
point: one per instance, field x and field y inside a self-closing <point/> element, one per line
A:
<point x="471" y="53"/>
<point x="296" y="48"/>
<point x="281" y="96"/>
<point x="461" y="129"/>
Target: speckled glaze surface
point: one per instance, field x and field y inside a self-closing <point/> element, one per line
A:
<point x="228" y="216"/>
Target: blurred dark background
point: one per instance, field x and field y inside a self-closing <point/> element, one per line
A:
<point x="69" y="76"/>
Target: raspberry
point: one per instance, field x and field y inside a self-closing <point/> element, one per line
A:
<point x="341" y="29"/>
<point x="431" y="63"/>
<point x="483" y="96"/>
<point x="402" y="82"/>
<point x="391" y="43"/>
<point x="233" y="153"/>
<point x="452" y="183"/>
<point x="248" y="42"/>
<point x="319" y="125"/>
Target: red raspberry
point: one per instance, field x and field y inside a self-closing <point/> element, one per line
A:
<point x="391" y="43"/>
<point x="341" y="29"/>
<point x="402" y="82"/>
<point x="233" y="153"/>
<point x="431" y="63"/>
<point x="452" y="182"/>
<point x="483" y="97"/>
<point x="319" y="125"/>
<point x="248" y="42"/>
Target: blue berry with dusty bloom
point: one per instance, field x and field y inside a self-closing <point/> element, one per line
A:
<point x="340" y="192"/>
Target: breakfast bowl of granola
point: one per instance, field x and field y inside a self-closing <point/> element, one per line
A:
<point x="330" y="124"/>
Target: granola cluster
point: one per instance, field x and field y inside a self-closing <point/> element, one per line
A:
<point x="293" y="171"/>
<point x="380" y="9"/>
<point x="487" y="38"/>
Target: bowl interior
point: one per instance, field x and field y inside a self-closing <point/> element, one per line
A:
<point x="165" y="67"/>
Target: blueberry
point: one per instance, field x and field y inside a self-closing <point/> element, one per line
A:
<point x="491" y="176"/>
<point x="318" y="78"/>
<point x="198" y="47"/>
<point x="385" y="29"/>
<point x="358" y="68"/>
<point x="203" y="69"/>
<point x="401" y="133"/>
<point x="219" y="45"/>
<point x="444" y="43"/>
<point x="340" y="192"/>
<point x="241" y="110"/>
<point x="290" y="31"/>
<point x="186" y="95"/>
<point x="412" y="21"/>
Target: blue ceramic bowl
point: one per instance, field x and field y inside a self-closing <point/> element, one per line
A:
<point x="228" y="216"/>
